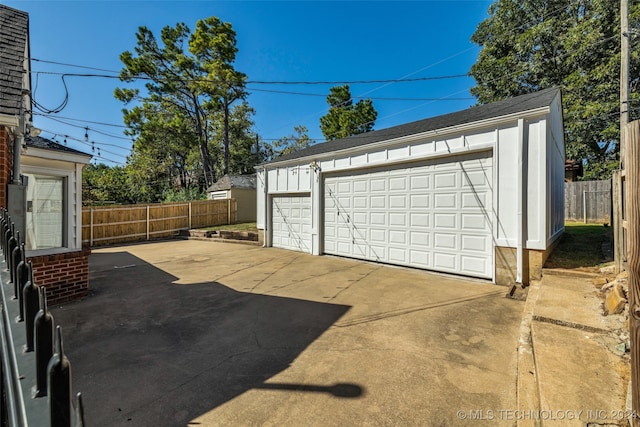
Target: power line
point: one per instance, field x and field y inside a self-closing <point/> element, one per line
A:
<point x="81" y="120"/>
<point x="266" y="82"/>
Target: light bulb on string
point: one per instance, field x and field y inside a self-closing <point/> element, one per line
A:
<point x="86" y="134"/>
<point x="93" y="147"/>
<point x="65" y="140"/>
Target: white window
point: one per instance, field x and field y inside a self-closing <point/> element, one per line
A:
<point x="46" y="212"/>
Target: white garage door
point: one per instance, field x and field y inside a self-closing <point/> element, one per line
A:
<point x="291" y="217"/>
<point x="434" y="215"/>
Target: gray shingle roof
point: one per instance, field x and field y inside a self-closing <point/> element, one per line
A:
<point x="228" y="182"/>
<point x="14" y="29"/>
<point x="47" y="144"/>
<point x="509" y="106"/>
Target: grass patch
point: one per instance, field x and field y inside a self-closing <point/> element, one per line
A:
<point x="245" y="226"/>
<point x="580" y="247"/>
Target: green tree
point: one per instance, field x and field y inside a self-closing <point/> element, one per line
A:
<point x="243" y="141"/>
<point x="296" y="142"/>
<point x="102" y="184"/>
<point x="528" y="45"/>
<point x="191" y="72"/>
<point x="344" y="117"/>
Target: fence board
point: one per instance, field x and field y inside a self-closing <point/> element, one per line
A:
<point x="102" y="225"/>
<point x="588" y="200"/>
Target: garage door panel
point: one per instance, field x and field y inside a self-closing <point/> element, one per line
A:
<point x="445" y="201"/>
<point x="479" y="244"/>
<point x="378" y="185"/>
<point x="291" y="222"/>
<point x="445" y="220"/>
<point x="445" y="180"/>
<point x="398" y="201"/>
<point x="420" y="219"/>
<point x="433" y="215"/>
<point x="420" y="258"/>
<point x="444" y="241"/>
<point x="474" y="264"/>
<point x="420" y="239"/>
<point x="398" y="184"/>
<point x="444" y="261"/>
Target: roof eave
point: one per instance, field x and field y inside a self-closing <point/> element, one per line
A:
<point x="43" y="153"/>
<point x="494" y="121"/>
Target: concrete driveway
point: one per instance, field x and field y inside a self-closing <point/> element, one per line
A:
<point x="181" y="333"/>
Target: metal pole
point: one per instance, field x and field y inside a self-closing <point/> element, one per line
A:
<point x="624" y="78"/>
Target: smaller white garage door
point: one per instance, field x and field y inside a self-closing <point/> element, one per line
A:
<point x="291" y="219"/>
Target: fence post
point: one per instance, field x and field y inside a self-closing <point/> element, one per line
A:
<point x="584" y="205"/>
<point x="147" y="222"/>
<point x="189" y="215"/>
<point x="228" y="211"/>
<point x="632" y="164"/>
<point x="91" y="227"/>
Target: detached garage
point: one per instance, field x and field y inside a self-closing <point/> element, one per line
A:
<point x="478" y="192"/>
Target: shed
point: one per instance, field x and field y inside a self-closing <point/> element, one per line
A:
<point x="478" y="192"/>
<point x="241" y="188"/>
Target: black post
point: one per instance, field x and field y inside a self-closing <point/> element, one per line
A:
<point x="16" y="257"/>
<point x="43" y="327"/>
<point x="22" y="273"/>
<point x="7" y="236"/>
<point x="11" y="245"/>
<point x="79" y="411"/>
<point x="59" y="386"/>
<point x="3" y="223"/>
<point x="30" y="300"/>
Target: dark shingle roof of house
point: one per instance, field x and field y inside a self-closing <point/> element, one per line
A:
<point x="509" y="106"/>
<point x="14" y="29"/>
<point x="228" y="182"/>
<point x="47" y="144"/>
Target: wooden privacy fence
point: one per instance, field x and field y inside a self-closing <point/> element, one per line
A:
<point x="102" y="225"/>
<point x="588" y="201"/>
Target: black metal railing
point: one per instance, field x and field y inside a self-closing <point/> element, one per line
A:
<point x="36" y="375"/>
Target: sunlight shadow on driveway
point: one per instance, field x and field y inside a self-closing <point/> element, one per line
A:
<point x="147" y="352"/>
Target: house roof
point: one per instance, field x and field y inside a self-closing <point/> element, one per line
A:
<point x="14" y="30"/>
<point x="47" y="144"/>
<point x="505" y="107"/>
<point x="228" y="182"/>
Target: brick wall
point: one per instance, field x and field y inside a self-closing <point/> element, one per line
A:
<point x="6" y="161"/>
<point x="64" y="276"/>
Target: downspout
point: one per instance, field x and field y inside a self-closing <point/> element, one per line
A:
<point x="266" y="206"/>
<point x="520" y="214"/>
<point x="18" y="143"/>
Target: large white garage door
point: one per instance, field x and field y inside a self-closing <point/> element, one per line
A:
<point x="434" y="215"/>
<point x="291" y="217"/>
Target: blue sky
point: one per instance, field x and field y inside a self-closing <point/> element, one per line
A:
<point x="277" y="41"/>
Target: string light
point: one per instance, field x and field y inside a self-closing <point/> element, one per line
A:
<point x="65" y="139"/>
<point x="86" y="134"/>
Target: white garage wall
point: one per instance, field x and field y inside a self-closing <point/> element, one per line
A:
<point x="506" y="183"/>
<point x="543" y="158"/>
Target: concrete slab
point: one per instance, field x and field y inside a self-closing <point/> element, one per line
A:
<point x="580" y="382"/>
<point x="573" y="299"/>
<point x="203" y="333"/>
